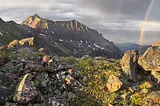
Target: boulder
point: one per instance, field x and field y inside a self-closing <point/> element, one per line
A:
<point x="29" y="41"/>
<point x="25" y="93"/>
<point x="152" y="99"/>
<point x="42" y="50"/>
<point x="11" y="104"/>
<point x="3" y="48"/>
<point x="156" y="75"/>
<point x="7" y="87"/>
<point x="45" y="60"/>
<point x="150" y="60"/>
<point x="114" y="83"/>
<point x="34" y="67"/>
<point x="86" y="57"/>
<point x="3" y="60"/>
<point x="13" y="44"/>
<point x="129" y="63"/>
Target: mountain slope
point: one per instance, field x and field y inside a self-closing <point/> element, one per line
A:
<point x="10" y="31"/>
<point x="64" y="38"/>
<point x="72" y="36"/>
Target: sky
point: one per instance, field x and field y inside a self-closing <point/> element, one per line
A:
<point x="119" y="21"/>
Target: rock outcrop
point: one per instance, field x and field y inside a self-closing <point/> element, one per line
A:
<point x="150" y="60"/>
<point x="156" y="44"/>
<point x="15" y="44"/>
<point x="129" y="63"/>
<point x="3" y="60"/>
<point x="114" y="83"/>
<point x="153" y="99"/>
<point x="26" y="91"/>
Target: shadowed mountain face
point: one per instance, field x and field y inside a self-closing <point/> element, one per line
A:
<point x="67" y="38"/>
<point x="10" y="31"/>
<point x="131" y="46"/>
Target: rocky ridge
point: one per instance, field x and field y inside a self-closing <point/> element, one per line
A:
<point x="62" y="38"/>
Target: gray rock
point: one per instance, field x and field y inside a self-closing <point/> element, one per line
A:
<point x="25" y="93"/>
<point x="129" y="63"/>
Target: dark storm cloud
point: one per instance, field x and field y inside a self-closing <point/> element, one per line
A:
<point x="135" y="9"/>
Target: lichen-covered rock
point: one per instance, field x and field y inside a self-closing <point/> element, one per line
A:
<point x="38" y="85"/>
<point x="25" y="92"/>
<point x="152" y="99"/>
<point x="42" y="50"/>
<point x="114" y="83"/>
<point x="156" y="75"/>
<point x="3" y="60"/>
<point x="7" y="87"/>
<point x="129" y="63"/>
<point x="45" y="60"/>
<point x="3" y="47"/>
<point x="156" y="44"/>
<point x="11" y="104"/>
<point x="29" y="41"/>
<point x="14" y="43"/>
<point x="150" y="60"/>
<point x="34" y="67"/>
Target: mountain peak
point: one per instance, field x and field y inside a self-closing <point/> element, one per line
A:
<point x="32" y="21"/>
<point x="36" y="21"/>
<point x="76" y="25"/>
<point x="11" y="22"/>
<point x="36" y="16"/>
<point x="75" y="21"/>
<point x="1" y="20"/>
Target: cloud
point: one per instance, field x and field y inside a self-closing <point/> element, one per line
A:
<point x="104" y="15"/>
<point x="129" y="25"/>
<point x="130" y="8"/>
<point x="101" y="9"/>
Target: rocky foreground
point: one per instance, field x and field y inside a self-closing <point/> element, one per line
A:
<point x="32" y="78"/>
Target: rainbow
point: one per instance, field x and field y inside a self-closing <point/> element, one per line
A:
<point x="144" y="22"/>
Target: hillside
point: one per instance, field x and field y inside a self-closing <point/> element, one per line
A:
<point x="31" y="78"/>
<point x="63" y="38"/>
<point x="10" y="31"/>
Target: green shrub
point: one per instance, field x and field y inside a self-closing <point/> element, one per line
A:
<point x="136" y="99"/>
<point x="146" y="85"/>
<point x="94" y="92"/>
<point x="68" y="60"/>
